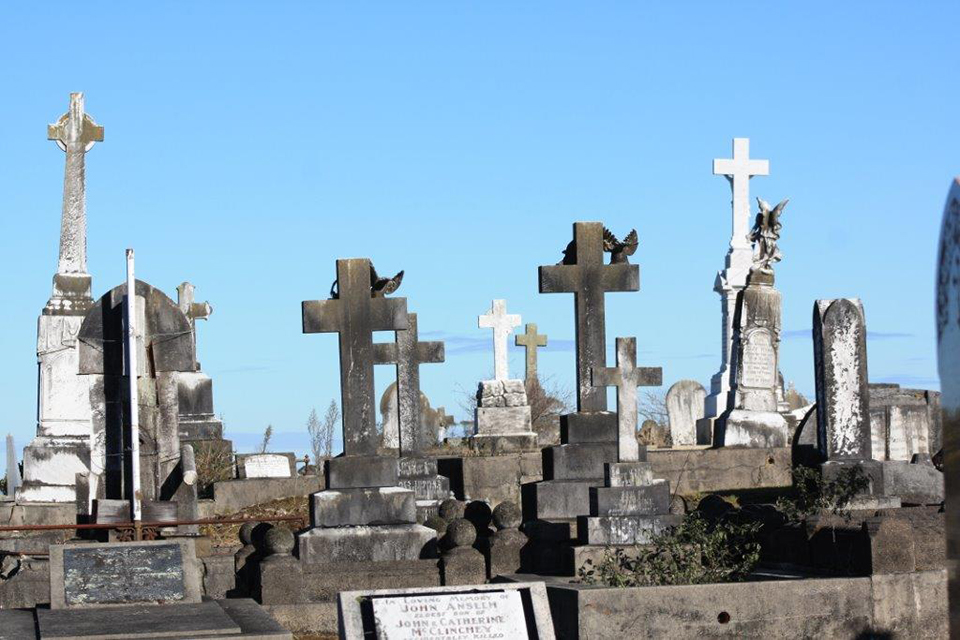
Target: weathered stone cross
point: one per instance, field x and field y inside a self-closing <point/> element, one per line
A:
<point x="193" y="310"/>
<point x="738" y="171"/>
<point x="503" y="325"/>
<point x="408" y="353"/>
<point x="626" y="377"/>
<point x="75" y="132"/>
<point x="530" y="340"/>
<point x="443" y="421"/>
<point x="355" y="315"/>
<point x="588" y="279"/>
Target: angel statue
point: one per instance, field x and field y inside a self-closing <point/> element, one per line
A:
<point x="765" y="234"/>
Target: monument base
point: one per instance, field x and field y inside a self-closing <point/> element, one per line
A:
<point x="379" y="543"/>
<point x="501" y="444"/>
<point x="753" y="429"/>
<point x="50" y="466"/>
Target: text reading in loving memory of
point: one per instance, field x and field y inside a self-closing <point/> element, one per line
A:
<point x="496" y="615"/>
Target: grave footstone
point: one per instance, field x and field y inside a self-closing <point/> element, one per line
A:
<point x="684" y="407"/>
<point x="481" y="612"/>
<point x="266" y="465"/>
<point x="61" y="449"/>
<point x="948" y="356"/>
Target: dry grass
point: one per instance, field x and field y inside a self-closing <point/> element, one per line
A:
<point x="227" y="535"/>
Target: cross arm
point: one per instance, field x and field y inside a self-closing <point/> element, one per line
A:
<point x="432" y="352"/>
<point x="388" y="314"/>
<point x="620" y="277"/>
<point x="649" y="376"/>
<point x="605" y="376"/>
<point x="321" y="316"/>
<point x="385" y="353"/>
<point x="559" y="278"/>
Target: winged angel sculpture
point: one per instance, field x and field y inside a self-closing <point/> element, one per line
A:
<point x="765" y="235"/>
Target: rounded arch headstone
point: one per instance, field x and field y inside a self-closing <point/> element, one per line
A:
<point x="685" y="405"/>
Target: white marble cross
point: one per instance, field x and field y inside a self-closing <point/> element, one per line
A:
<point x="738" y="170"/>
<point x="503" y="325"/>
<point x="75" y="132"/>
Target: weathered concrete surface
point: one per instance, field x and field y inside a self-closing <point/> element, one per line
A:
<point x="493" y="479"/>
<point x="28" y="587"/>
<point x="229" y="496"/>
<point x="912" y="604"/>
<point x="706" y="470"/>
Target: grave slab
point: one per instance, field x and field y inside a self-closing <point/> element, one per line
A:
<point x="136" y="621"/>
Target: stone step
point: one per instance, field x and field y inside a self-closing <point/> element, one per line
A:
<point x="497" y="445"/>
<point x="503" y="420"/>
<point x="624" y="529"/>
<point x="577" y="461"/>
<point x="369" y="506"/>
<point x="366" y="544"/>
<point x="628" y="474"/>
<point x="557" y="499"/>
<point x="600" y="426"/>
<point x="631" y="501"/>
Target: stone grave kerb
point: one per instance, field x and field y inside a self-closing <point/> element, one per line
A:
<point x="407" y="352"/>
<point x="354" y="313"/>
<point x="626" y="377"/>
<point x="588" y="278"/>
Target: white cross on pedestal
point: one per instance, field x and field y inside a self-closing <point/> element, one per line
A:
<point x="503" y="325"/>
<point x="738" y="171"/>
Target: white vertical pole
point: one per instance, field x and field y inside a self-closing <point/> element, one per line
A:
<point x="132" y="352"/>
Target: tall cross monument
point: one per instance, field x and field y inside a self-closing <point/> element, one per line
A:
<point x="626" y="377"/>
<point x="63" y="403"/>
<point x="737" y="170"/>
<point x="355" y="314"/>
<point x="408" y="353"/>
<point x="503" y="324"/>
<point x="584" y="274"/>
<point x="186" y="300"/>
<point x="530" y="340"/>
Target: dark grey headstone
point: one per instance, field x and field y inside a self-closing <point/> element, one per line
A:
<point x="588" y="279"/>
<point x="125" y="573"/>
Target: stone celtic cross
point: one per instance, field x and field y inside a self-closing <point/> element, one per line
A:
<point x="193" y="310"/>
<point x="626" y="377"/>
<point x="738" y="170"/>
<point x="588" y="279"/>
<point x="408" y="353"/>
<point x="530" y="340"/>
<point x="355" y="314"/>
<point x="75" y="133"/>
<point x="503" y="325"/>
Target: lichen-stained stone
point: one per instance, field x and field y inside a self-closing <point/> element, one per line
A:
<point x="840" y="366"/>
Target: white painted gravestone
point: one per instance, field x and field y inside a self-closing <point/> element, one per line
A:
<point x="685" y="405"/>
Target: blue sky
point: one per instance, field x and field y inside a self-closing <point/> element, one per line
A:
<point x="246" y="148"/>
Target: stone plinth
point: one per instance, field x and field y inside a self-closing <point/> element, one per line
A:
<point x="419" y="475"/>
<point x="754" y="419"/>
<point x="502" y="419"/>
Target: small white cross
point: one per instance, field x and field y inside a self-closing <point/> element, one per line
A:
<point x="503" y="325"/>
<point x="738" y="171"/>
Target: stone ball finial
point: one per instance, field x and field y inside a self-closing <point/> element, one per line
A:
<point x="259" y="535"/>
<point x="436" y="523"/>
<point x="279" y="541"/>
<point x="451" y="509"/>
<point x="246" y="533"/>
<point x="507" y="515"/>
<point x="479" y="513"/>
<point x="461" y="533"/>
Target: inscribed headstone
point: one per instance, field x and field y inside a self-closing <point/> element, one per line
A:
<point x="267" y="465"/>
